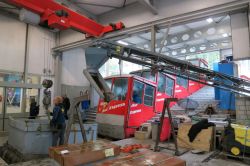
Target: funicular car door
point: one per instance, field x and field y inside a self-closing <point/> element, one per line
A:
<point x="141" y="103"/>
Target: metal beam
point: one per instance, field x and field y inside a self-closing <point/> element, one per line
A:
<point x="176" y="67"/>
<point x="73" y="6"/>
<point x="19" y="85"/>
<point x="162" y="23"/>
<point x="149" y="5"/>
<point x="153" y="38"/>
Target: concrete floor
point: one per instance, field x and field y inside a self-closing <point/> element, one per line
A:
<point x="190" y="158"/>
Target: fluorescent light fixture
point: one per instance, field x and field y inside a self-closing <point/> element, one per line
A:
<point x="225" y="35"/>
<point x="122" y="42"/>
<point x="210" y="20"/>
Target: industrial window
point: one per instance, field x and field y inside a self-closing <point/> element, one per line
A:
<point x="182" y="82"/>
<point x="137" y="92"/>
<point x="149" y="95"/>
<point x="120" y="88"/>
<point x="109" y="82"/>
<point x="169" y="86"/>
<point x="161" y="83"/>
<point x="149" y="75"/>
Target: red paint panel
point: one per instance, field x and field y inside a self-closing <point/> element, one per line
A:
<point x="139" y="113"/>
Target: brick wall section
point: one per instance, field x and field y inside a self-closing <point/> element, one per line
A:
<point x="243" y="109"/>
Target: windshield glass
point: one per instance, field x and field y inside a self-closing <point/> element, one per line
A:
<point x="120" y="88"/>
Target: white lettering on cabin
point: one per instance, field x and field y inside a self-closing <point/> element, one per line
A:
<point x="135" y="111"/>
<point x="116" y="106"/>
<point x="159" y="94"/>
<point x="160" y="99"/>
<point x="134" y="105"/>
<point x="178" y="91"/>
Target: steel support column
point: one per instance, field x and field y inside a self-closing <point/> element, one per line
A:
<point x="58" y="73"/>
<point x="153" y="38"/>
<point x="25" y="70"/>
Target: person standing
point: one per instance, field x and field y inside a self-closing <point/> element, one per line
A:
<point x="58" y="122"/>
<point x="34" y="109"/>
<point x="66" y="105"/>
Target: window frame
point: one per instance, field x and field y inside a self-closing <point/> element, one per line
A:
<point x="153" y="96"/>
<point x="143" y="91"/>
<point x="113" y="85"/>
<point x="167" y="86"/>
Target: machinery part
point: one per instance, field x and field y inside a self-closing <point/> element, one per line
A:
<point x="47" y="83"/>
<point x="74" y="110"/>
<point x="29" y="17"/>
<point x="236" y="140"/>
<point x="47" y="99"/>
<point x="97" y="81"/>
<point x="56" y="16"/>
<point x="235" y="150"/>
<point x="167" y="102"/>
<point x="172" y="66"/>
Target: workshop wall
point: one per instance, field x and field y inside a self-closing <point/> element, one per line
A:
<point x="39" y="51"/>
<point x="12" y="46"/>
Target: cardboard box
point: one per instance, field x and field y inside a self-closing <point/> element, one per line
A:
<point x="83" y="153"/>
<point x="144" y="158"/>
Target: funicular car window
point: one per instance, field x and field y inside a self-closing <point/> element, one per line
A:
<point x="120" y="88"/>
<point x="149" y="75"/>
<point x="161" y="83"/>
<point x="169" y="86"/>
<point x="149" y="95"/>
<point x="137" y="92"/>
<point x="109" y="82"/>
<point x="182" y="82"/>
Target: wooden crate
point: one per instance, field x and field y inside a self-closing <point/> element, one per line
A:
<point x="80" y="154"/>
<point x="203" y="141"/>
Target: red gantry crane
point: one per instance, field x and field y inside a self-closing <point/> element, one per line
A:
<point x="55" y="15"/>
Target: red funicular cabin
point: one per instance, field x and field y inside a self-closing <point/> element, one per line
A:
<point x="138" y="97"/>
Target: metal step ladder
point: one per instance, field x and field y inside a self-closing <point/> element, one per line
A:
<point x="75" y="116"/>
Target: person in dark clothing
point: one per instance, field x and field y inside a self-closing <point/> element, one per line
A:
<point x="66" y="105"/>
<point x="34" y="109"/>
<point x="58" y="122"/>
<point x="196" y="128"/>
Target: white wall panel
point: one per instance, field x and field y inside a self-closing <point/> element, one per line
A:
<point x="73" y="63"/>
<point x="12" y="44"/>
<point x="69" y="36"/>
<point x="40" y="56"/>
<point x="138" y="14"/>
<point x="240" y="36"/>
